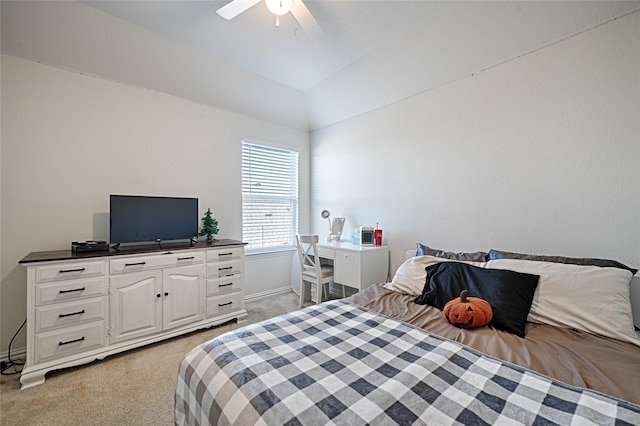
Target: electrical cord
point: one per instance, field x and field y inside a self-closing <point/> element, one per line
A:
<point x="12" y="363"/>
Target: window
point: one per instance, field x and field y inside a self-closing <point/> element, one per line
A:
<point x="269" y="196"/>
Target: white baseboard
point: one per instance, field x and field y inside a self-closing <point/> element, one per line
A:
<point x="16" y="354"/>
<point x="268" y="293"/>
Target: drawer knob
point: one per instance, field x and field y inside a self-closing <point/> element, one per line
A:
<point x="158" y="295"/>
<point x="135" y="264"/>
<point x="72" y="290"/>
<point x="71" y="314"/>
<point x="166" y="293"/>
<point x="186" y="258"/>
<point x="220" y="305"/>
<point x="71" y="341"/>
<point x="66" y="271"/>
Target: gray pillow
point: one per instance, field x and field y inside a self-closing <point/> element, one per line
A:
<point x="478" y="256"/>
<point x="604" y="263"/>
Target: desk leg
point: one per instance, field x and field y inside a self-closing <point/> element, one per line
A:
<point x="303" y="287"/>
<point x="319" y="292"/>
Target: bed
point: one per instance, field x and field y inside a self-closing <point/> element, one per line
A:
<point x="378" y="357"/>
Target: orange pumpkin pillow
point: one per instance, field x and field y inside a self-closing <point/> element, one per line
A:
<point x="468" y="312"/>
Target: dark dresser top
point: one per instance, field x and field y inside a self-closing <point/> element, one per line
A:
<point x="48" y="256"/>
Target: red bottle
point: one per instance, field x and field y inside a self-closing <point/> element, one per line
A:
<point x="377" y="235"/>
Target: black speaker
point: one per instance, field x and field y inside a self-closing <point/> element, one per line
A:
<point x="87" y="246"/>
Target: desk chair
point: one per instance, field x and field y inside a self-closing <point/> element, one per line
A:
<point x="311" y="270"/>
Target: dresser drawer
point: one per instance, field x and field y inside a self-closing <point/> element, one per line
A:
<point x="70" y="271"/>
<point x="216" y="286"/>
<point x="224" y="303"/>
<point x="65" y="291"/>
<point x="70" y="340"/>
<point x="224" y="269"/>
<point x="231" y="253"/>
<point x="146" y="263"/>
<point x="71" y="313"/>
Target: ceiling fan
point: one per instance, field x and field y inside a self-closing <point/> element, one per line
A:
<point x="278" y="8"/>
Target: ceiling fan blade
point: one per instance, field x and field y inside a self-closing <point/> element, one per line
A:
<point x="306" y="20"/>
<point x="235" y="8"/>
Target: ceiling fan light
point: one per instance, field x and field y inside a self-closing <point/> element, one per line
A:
<point x="279" y="7"/>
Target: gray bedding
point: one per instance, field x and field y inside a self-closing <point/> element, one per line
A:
<point x="571" y="356"/>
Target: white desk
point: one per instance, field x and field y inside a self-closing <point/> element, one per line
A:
<point x="356" y="266"/>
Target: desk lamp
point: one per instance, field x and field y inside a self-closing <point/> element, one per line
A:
<point x="335" y="227"/>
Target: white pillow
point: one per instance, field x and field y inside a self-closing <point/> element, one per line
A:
<point x="411" y="275"/>
<point x="589" y="298"/>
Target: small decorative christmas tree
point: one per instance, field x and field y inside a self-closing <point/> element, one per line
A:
<point x="209" y="226"/>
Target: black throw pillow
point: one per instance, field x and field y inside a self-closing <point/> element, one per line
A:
<point x="509" y="293"/>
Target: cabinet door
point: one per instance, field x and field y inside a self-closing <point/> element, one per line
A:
<point x="135" y="305"/>
<point x="347" y="266"/>
<point x="183" y="296"/>
<point x="361" y="269"/>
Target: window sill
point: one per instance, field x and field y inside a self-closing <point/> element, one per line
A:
<point x="270" y="252"/>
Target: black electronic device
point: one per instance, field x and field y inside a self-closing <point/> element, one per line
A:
<point x="88" y="246"/>
<point x="136" y="219"/>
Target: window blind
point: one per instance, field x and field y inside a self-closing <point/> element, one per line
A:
<point x="269" y="196"/>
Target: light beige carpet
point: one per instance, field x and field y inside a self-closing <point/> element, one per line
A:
<point x="131" y="388"/>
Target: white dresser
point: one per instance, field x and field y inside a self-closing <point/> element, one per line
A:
<point x="86" y="306"/>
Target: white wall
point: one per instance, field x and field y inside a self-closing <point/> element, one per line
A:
<point x="70" y="140"/>
<point x="539" y="154"/>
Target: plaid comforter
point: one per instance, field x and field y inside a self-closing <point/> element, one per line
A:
<point x="338" y="363"/>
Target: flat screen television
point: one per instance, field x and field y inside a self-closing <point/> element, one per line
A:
<point x="137" y="219"/>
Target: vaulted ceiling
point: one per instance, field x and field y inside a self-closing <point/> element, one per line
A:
<point x="373" y="53"/>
